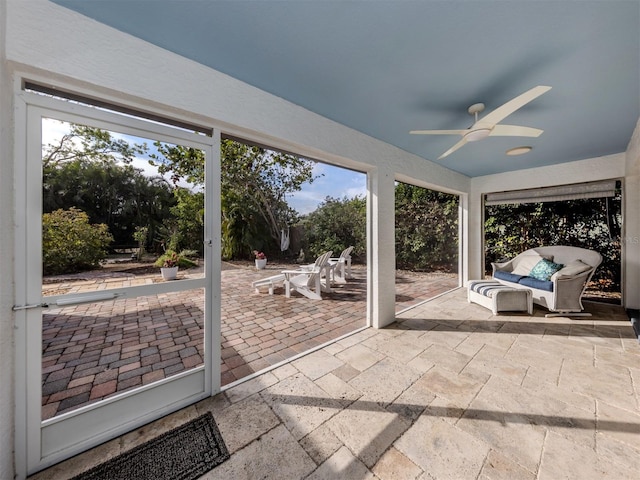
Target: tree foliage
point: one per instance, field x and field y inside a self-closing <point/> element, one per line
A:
<point x="70" y="243"/>
<point x="254" y="185"/>
<point x="90" y="170"/>
<point x="184" y="229"/>
<point x="588" y="223"/>
<point x="336" y="225"/>
<point x="89" y="144"/>
<point x="426" y="229"/>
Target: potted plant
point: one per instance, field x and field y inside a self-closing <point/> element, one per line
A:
<point x="169" y="262"/>
<point x="261" y="259"/>
<point x="169" y="268"/>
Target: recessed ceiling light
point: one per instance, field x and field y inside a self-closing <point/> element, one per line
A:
<point x="518" y="151"/>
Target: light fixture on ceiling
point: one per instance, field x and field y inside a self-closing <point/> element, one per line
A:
<point x="478" y="134"/>
<point x="518" y="151"/>
<point x="490" y="124"/>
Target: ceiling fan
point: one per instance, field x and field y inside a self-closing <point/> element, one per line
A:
<point x="489" y="125"/>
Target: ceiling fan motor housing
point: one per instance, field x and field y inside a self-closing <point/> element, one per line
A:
<point x="478" y="134"/>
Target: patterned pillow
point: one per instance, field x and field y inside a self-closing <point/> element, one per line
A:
<point x="544" y="269"/>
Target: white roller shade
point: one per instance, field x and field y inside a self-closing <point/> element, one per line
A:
<point x="605" y="188"/>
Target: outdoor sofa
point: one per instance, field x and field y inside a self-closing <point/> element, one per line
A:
<point x="556" y="275"/>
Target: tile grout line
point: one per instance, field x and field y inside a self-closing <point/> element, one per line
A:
<point x="474" y="397"/>
<point x="560" y="372"/>
<point x="595" y="430"/>
<point x="596" y="411"/>
<point x="635" y="389"/>
<point x="512" y="343"/>
<point x="484" y="462"/>
<point x="521" y="385"/>
<point x="470" y="359"/>
<point x="621" y="342"/>
<point x="542" y="450"/>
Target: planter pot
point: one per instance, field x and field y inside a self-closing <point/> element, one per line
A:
<point x="261" y="263"/>
<point x="170" y="273"/>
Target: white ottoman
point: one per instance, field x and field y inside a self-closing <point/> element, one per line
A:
<point x="498" y="297"/>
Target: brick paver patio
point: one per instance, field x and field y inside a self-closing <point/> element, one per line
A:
<point x="92" y="351"/>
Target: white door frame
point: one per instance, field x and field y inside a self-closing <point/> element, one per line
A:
<point x="40" y="444"/>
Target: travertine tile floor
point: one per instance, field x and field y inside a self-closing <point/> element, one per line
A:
<point x="449" y="391"/>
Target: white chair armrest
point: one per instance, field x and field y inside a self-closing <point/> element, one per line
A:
<point x="305" y="271"/>
<point x="507" y="266"/>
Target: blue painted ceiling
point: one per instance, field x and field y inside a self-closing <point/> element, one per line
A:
<point x="387" y="67"/>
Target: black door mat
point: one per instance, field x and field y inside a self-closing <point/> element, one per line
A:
<point x="184" y="453"/>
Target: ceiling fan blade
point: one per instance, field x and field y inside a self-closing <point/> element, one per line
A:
<point x="515" y="131"/>
<point x="511" y="106"/>
<point x="438" y="132"/>
<point x="454" y="148"/>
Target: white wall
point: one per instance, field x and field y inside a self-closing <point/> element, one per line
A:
<point x="6" y="254"/>
<point x="631" y="234"/>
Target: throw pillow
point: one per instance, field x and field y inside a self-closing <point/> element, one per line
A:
<point x="526" y="263"/>
<point x="544" y="269"/>
<point x="574" y="268"/>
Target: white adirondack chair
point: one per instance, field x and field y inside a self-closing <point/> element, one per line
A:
<point x="269" y="282"/>
<point x="341" y="265"/>
<point x="306" y="281"/>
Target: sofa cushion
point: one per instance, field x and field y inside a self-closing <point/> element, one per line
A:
<point x="508" y="276"/>
<point x="544" y="269"/>
<point x="526" y="263"/>
<point x="535" y="283"/>
<point x="572" y="269"/>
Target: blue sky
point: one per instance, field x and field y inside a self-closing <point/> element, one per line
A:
<point x="335" y="182"/>
<point x="332" y="181"/>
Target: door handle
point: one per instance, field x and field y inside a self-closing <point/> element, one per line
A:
<point x="16" y="308"/>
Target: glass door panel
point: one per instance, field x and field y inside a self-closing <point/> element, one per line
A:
<point x="118" y="209"/>
<point x="93" y="351"/>
<point x="109" y="201"/>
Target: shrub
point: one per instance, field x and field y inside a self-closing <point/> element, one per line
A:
<point x="335" y="225"/>
<point x="180" y="258"/>
<point x="70" y="243"/>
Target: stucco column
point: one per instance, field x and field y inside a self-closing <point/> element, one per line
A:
<point x="381" y="258"/>
<point x="7" y="389"/>
<point x="631" y="237"/>
<point x="631" y="243"/>
<point x="472" y="239"/>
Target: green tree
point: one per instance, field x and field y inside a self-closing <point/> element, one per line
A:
<point x="185" y="228"/>
<point x="254" y="185"/>
<point x="335" y="225"/>
<point x="70" y="243"/>
<point x="119" y="196"/>
<point x="588" y="223"/>
<point x="91" y="170"/>
<point x="141" y="236"/>
<point x="90" y="144"/>
<point x="426" y="223"/>
<point x="256" y="181"/>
